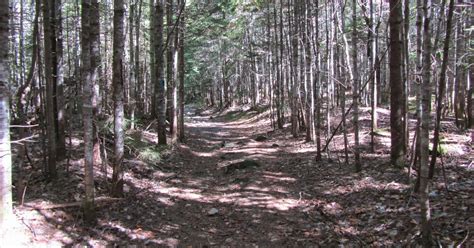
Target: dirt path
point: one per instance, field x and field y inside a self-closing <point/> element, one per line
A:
<point x="288" y="200"/>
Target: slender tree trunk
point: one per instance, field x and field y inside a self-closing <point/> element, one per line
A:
<point x="159" y="84"/>
<point x="294" y="73"/>
<point x="317" y="83"/>
<point x="153" y="41"/>
<point x="171" y="91"/>
<point x="460" y="85"/>
<point x="373" y="86"/>
<point x="396" y="85"/>
<point x="180" y="72"/>
<point x="5" y="149"/>
<point x="355" y="88"/>
<point x="87" y="108"/>
<point x="95" y="69"/>
<point x="308" y="75"/>
<point x="419" y="30"/>
<point x="117" y="79"/>
<point x="58" y="70"/>
<point x="282" y="74"/>
<point x="48" y="71"/>
<point x="441" y="88"/>
<point x="132" y="78"/>
<point x="426" y="231"/>
<point x="139" y="101"/>
<point x="406" y="74"/>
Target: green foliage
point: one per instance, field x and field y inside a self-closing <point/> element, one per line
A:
<point x="106" y="126"/>
<point x="214" y="40"/>
<point x="145" y="151"/>
<point x="441" y="151"/>
<point x="150" y="155"/>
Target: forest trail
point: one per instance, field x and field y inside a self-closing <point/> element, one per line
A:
<point x="283" y="198"/>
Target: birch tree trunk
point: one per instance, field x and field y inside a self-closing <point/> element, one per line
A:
<point x="5" y="149"/>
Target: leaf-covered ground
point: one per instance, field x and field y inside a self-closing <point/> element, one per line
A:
<point x="196" y="196"/>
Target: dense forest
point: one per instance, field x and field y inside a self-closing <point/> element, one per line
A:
<point x="236" y="123"/>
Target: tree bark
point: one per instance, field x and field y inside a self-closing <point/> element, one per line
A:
<point x="170" y="78"/>
<point x="159" y="84"/>
<point x="181" y="135"/>
<point x="460" y="84"/>
<point x="397" y="155"/>
<point x="441" y="88"/>
<point x="117" y="79"/>
<point x="95" y="66"/>
<point x="87" y="108"/>
<point x="426" y="230"/>
<point x="58" y="72"/>
<point x="355" y="88"/>
<point x="50" y="86"/>
<point x="5" y="149"/>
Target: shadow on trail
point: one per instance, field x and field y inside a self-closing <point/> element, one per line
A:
<point x="289" y="200"/>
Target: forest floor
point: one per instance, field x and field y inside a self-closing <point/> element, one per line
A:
<point x="222" y="188"/>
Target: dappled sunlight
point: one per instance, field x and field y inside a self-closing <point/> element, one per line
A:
<point x="281" y="197"/>
<point x="204" y="154"/>
<point x="277" y="176"/>
<point x="113" y="230"/>
<point x="367" y="183"/>
<point x="254" y="150"/>
<point x="276" y="189"/>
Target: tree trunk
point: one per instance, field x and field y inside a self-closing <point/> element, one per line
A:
<point x="95" y="66"/>
<point x="87" y="108"/>
<point x="159" y="84"/>
<point x="317" y="83"/>
<point x="170" y="78"/>
<point x="131" y="51"/>
<point x="373" y="52"/>
<point x="50" y="83"/>
<point x="308" y="75"/>
<point x="180" y="72"/>
<point x="425" y="227"/>
<point x="5" y="149"/>
<point x="117" y="79"/>
<point x="460" y="85"/>
<point x="355" y="88"/>
<point x="294" y="70"/>
<point x="441" y="88"/>
<point x="58" y="70"/>
<point x="396" y="85"/>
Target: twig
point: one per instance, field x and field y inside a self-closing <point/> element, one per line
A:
<point x="464" y="240"/>
<point x="24" y="139"/>
<point x="29" y="227"/>
<point x="151" y="123"/>
<point x="24" y="126"/>
<point x="24" y="193"/>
